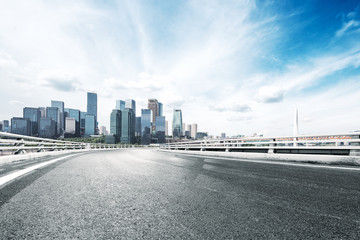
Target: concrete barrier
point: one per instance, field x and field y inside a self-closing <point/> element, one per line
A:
<point x="30" y="156"/>
<point x="305" y="158"/>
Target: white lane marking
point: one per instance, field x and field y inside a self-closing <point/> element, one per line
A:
<point x="24" y="163"/>
<point x="277" y="163"/>
<point x="19" y="173"/>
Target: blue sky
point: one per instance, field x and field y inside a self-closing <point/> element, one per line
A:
<point x="238" y="67"/>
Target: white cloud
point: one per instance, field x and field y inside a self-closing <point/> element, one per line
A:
<point x="206" y="52"/>
<point x="270" y="94"/>
<point x="6" y="61"/>
<point x="230" y="107"/>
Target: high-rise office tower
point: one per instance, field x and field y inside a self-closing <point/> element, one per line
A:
<point x="70" y="127"/>
<point x="21" y="126"/>
<point x="127" y="126"/>
<point x="82" y="123"/>
<point x="90" y="125"/>
<point x="177" y="123"/>
<point x="183" y="129"/>
<point x="146" y="116"/>
<point x="194" y="130"/>
<point x="91" y="111"/>
<point x="6" y="126"/>
<point x="120" y="105"/>
<point x="115" y="124"/>
<point x="75" y="114"/>
<point x="42" y="112"/>
<point x="54" y="114"/>
<point x="33" y="114"/>
<point x="92" y="104"/>
<point x="1" y="126"/>
<point x="153" y="105"/>
<point x="60" y="106"/>
<point x="138" y="127"/>
<point x="47" y="128"/>
<point x="166" y="128"/>
<point x="131" y="104"/>
<point x="160" y="129"/>
<point x="161" y="109"/>
<point x="187" y="131"/>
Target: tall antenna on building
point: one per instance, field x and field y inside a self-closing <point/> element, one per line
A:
<point x="296" y="123"/>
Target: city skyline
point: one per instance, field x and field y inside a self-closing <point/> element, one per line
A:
<point x="245" y="65"/>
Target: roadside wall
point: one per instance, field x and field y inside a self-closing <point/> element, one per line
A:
<point x="324" y="159"/>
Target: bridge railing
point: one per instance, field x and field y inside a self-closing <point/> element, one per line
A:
<point x="20" y="144"/>
<point x="344" y="144"/>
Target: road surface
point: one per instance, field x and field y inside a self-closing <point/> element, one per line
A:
<point x="146" y="194"/>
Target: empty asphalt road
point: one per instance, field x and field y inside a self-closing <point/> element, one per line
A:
<point x="145" y="194"/>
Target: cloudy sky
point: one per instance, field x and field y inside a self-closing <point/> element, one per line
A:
<point x="238" y="67"/>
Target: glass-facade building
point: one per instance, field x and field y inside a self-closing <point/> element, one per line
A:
<point x="146" y="116"/>
<point x="90" y="125"/>
<point x="161" y="109"/>
<point x="21" y="126"/>
<point x="138" y="127"/>
<point x="75" y="114"/>
<point x="115" y="124"/>
<point x="82" y="123"/>
<point x="54" y="114"/>
<point x="47" y="128"/>
<point x="34" y="115"/>
<point x="120" y="105"/>
<point x="6" y="126"/>
<point x="127" y="126"/>
<point x="92" y="104"/>
<point x="131" y="104"/>
<point x="160" y="129"/>
<point x="60" y="106"/>
<point x="177" y="123"/>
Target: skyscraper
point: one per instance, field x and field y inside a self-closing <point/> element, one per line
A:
<point x="153" y="105"/>
<point x="33" y="114"/>
<point x="138" y="127"/>
<point x="146" y="126"/>
<point x="90" y="123"/>
<point x="161" y="110"/>
<point x="70" y="127"/>
<point x="54" y="114"/>
<point x="120" y="105"/>
<point x="127" y="126"/>
<point x="42" y="112"/>
<point x="166" y="128"/>
<point x="115" y="124"/>
<point x="21" y="126"/>
<point x="82" y="123"/>
<point x="6" y="127"/>
<point x="160" y="129"/>
<point x="177" y="123"/>
<point x="91" y="110"/>
<point x="131" y="104"/>
<point x="60" y="106"/>
<point x="75" y="114"/>
<point x="194" y="130"/>
<point x="47" y="128"/>
<point x="92" y="104"/>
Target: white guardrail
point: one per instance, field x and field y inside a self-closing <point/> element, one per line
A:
<point x="20" y="144"/>
<point x="333" y="144"/>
